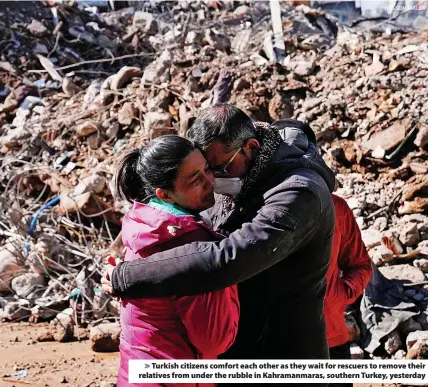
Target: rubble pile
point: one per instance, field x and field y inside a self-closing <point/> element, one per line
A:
<point x="78" y="88"/>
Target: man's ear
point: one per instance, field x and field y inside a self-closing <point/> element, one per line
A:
<point x="251" y="148"/>
<point x="163" y="195"/>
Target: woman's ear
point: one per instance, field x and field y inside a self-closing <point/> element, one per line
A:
<point x="251" y="148"/>
<point x="163" y="195"/>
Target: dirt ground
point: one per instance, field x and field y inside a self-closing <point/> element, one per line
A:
<point x="55" y="364"/>
<point x="51" y="363"/>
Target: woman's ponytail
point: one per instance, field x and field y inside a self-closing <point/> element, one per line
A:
<point x="154" y="166"/>
<point x="129" y="183"/>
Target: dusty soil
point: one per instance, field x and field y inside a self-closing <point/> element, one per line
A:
<point x="54" y="364"/>
<point x="51" y="363"/>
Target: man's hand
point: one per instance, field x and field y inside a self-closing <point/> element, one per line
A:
<point x="106" y="279"/>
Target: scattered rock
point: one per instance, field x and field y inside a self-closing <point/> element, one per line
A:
<point x="423" y="247"/>
<point x="157" y="70"/>
<point x="388" y="138"/>
<point x="380" y="254"/>
<point x="124" y="76"/>
<point x="9" y="268"/>
<point x="353" y="329"/>
<point x="218" y="41"/>
<point x="157" y="124"/>
<point x="86" y="128"/>
<point x="62" y="327"/>
<point x="356" y="352"/>
<point x="107" y="384"/>
<point x="422" y="136"/>
<point x="16" y="311"/>
<point x="413" y="337"/>
<point x="6" y="66"/>
<point x="45" y="336"/>
<point x="147" y="21"/>
<point x="409" y="235"/>
<point x="127" y="113"/>
<point x="37" y="29"/>
<point x="24" y="284"/>
<point x="280" y="107"/>
<point x="93" y="183"/>
<point x="393" y="342"/>
<point x="400" y="355"/>
<point x="418" y="350"/>
<point x="69" y="87"/>
<point x="371" y="237"/>
<point x="403" y="272"/>
<point x="105" y="337"/>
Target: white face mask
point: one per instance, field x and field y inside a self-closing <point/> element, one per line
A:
<point x="228" y="186"/>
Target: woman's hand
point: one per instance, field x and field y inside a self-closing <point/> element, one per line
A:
<point x="108" y="270"/>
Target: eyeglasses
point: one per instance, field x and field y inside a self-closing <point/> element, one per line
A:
<point x="222" y="171"/>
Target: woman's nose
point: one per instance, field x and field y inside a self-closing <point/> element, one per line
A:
<point x="209" y="180"/>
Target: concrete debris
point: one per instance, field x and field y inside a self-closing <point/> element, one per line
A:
<point x="157" y="71"/>
<point x="404" y="272"/>
<point x="127" y="113"/>
<point x="124" y="76"/>
<point x="9" y="268"/>
<point x="45" y="336"/>
<point x="157" y="124"/>
<point x="353" y="329"/>
<point x="69" y="87"/>
<point x="25" y="284"/>
<point x="413" y="337"/>
<point x="356" y="352"/>
<point x="86" y="128"/>
<point x="381" y="254"/>
<point x="37" y="29"/>
<point x="16" y="310"/>
<point x="419" y="350"/>
<point x="93" y="183"/>
<point x="105" y="337"/>
<point x="147" y="21"/>
<point x="400" y="355"/>
<point x="409" y="235"/>
<point x="62" y="327"/>
<point x="393" y="342"/>
<point x="388" y="138"/>
<point x="421" y="139"/>
<point x="421" y="264"/>
<point x="81" y="88"/>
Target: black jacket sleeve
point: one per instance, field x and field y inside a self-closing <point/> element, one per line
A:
<point x="286" y="222"/>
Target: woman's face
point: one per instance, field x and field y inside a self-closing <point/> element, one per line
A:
<point x="194" y="185"/>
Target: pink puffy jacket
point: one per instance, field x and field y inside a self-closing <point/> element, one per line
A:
<point x="193" y="327"/>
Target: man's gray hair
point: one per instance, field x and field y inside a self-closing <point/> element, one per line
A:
<point x="222" y="122"/>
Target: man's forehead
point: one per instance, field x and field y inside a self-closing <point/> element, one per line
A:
<point x="216" y="153"/>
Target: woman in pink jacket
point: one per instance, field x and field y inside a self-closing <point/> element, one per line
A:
<point x="169" y="182"/>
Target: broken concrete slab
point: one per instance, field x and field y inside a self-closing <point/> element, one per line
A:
<point x="404" y="272"/>
<point x="105" y="337"/>
<point x="413" y="337"/>
<point x="389" y="138"/>
<point x="62" y="327"/>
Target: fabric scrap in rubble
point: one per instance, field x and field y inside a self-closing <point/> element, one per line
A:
<point x="383" y="308"/>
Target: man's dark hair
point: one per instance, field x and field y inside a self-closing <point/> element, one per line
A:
<point x="222" y="122"/>
<point x="153" y="166"/>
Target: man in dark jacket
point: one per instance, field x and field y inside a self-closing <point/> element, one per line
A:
<point x="275" y="207"/>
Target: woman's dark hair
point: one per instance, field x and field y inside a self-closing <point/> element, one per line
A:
<point x="153" y="166"/>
